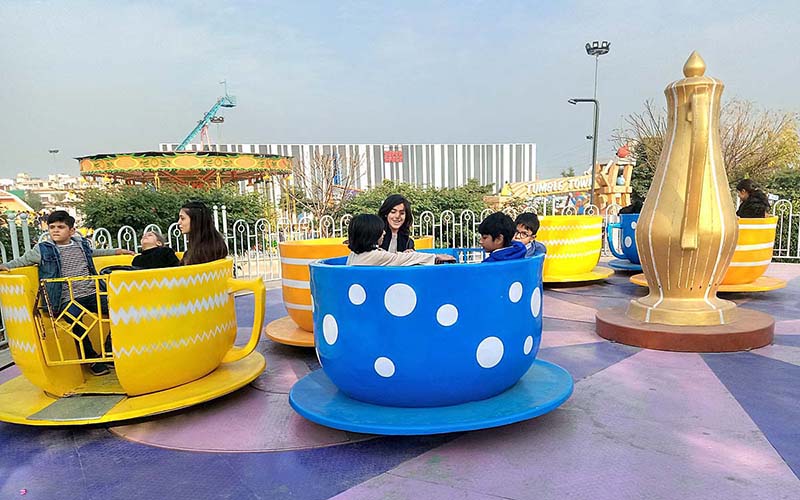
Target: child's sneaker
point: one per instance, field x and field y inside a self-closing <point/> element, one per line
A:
<point x="98" y="369"/>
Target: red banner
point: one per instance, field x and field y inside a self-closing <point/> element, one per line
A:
<point x="392" y="156"/>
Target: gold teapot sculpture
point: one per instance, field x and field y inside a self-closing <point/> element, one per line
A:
<point x="687" y="231"/>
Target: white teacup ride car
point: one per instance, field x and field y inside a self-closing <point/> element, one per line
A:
<point x="428" y="349"/>
<point x="172" y="346"/>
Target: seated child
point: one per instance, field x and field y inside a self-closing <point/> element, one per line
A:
<point x="527" y="227"/>
<point x="154" y="254"/>
<point x="366" y="232"/>
<point x="68" y="255"/>
<point x="497" y="238"/>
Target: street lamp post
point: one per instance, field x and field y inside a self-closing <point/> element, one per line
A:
<point x="594" y="138"/>
<point x="53" y="152"/>
<point x="597" y="49"/>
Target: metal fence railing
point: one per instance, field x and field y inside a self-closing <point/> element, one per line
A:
<point x="253" y="245"/>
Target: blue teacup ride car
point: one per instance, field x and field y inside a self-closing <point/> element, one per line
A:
<point x="628" y="258"/>
<point x="428" y="349"/>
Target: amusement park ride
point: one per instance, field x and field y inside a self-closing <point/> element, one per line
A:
<point x="181" y="167"/>
<point x="226" y="101"/>
<point x="403" y="350"/>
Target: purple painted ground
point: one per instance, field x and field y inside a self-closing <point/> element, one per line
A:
<point x="640" y="424"/>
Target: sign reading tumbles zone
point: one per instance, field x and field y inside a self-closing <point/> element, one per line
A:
<point x="392" y="156"/>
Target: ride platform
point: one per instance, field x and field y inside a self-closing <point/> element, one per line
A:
<point x="101" y="400"/>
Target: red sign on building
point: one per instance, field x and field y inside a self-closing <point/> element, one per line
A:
<point x="392" y="156"/>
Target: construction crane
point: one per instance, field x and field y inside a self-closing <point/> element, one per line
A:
<point x="226" y="101"/>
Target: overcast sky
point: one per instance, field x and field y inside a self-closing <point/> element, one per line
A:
<point x="91" y="77"/>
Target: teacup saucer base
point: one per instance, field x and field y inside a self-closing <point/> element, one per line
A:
<point x="21" y="402"/>
<point x="542" y="389"/>
<point x="285" y="331"/>
<point x="598" y="273"/>
<point x="624" y="265"/>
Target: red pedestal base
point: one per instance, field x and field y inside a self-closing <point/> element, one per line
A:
<point x="751" y="329"/>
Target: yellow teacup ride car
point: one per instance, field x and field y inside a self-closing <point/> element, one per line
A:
<point x="750" y="260"/>
<point x="573" y="246"/>
<point x="297" y="328"/>
<point x="172" y="343"/>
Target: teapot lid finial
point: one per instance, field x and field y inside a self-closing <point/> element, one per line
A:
<point x="695" y="65"/>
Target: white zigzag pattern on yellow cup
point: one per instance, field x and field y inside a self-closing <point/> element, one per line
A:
<point x="137" y="314"/>
<point x="11" y="289"/>
<point x="573" y="241"/>
<point x="571" y="255"/>
<point x="174" y="344"/>
<point x="194" y="279"/>
<point x="18" y="314"/>
<point x="571" y="228"/>
<point x="17" y="345"/>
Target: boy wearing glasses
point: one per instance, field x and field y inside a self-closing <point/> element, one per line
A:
<point x="527" y="227"/>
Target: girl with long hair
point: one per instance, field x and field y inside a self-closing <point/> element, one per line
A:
<point x="397" y="219"/>
<point x="205" y="244"/>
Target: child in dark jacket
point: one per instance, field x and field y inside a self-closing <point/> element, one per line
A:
<point x="155" y="254"/>
<point x="66" y="255"/>
<point x="497" y="238"/>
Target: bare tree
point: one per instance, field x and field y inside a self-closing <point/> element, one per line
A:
<point x="755" y="143"/>
<point x="322" y="184"/>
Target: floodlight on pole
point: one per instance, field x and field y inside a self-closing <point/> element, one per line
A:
<point x="597" y="49"/>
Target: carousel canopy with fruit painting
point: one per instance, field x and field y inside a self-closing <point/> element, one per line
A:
<point x="196" y="169"/>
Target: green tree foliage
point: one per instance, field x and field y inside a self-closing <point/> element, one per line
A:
<point x="756" y="143"/>
<point x="568" y="172"/>
<point x="138" y="206"/>
<point x="34" y="200"/>
<point x="786" y="184"/>
<point x="470" y="196"/>
<point x="645" y="167"/>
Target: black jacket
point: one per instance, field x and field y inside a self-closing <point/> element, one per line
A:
<point x="755" y="206"/>
<point x="155" y="258"/>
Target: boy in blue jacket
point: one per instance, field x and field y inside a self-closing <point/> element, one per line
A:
<point x="66" y="255"/>
<point x="497" y="238"/>
<point x="527" y="227"/>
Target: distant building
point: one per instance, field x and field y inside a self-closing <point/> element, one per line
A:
<point x="9" y="201"/>
<point x="438" y="165"/>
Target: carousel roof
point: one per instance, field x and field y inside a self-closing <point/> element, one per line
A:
<point x="185" y="167"/>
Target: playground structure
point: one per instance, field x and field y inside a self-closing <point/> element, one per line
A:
<point x="612" y="187"/>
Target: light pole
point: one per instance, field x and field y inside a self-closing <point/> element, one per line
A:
<point x="597" y="49"/>
<point x="53" y="152"/>
<point x="594" y="139"/>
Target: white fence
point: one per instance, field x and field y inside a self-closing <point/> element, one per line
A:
<point x="254" y="245"/>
